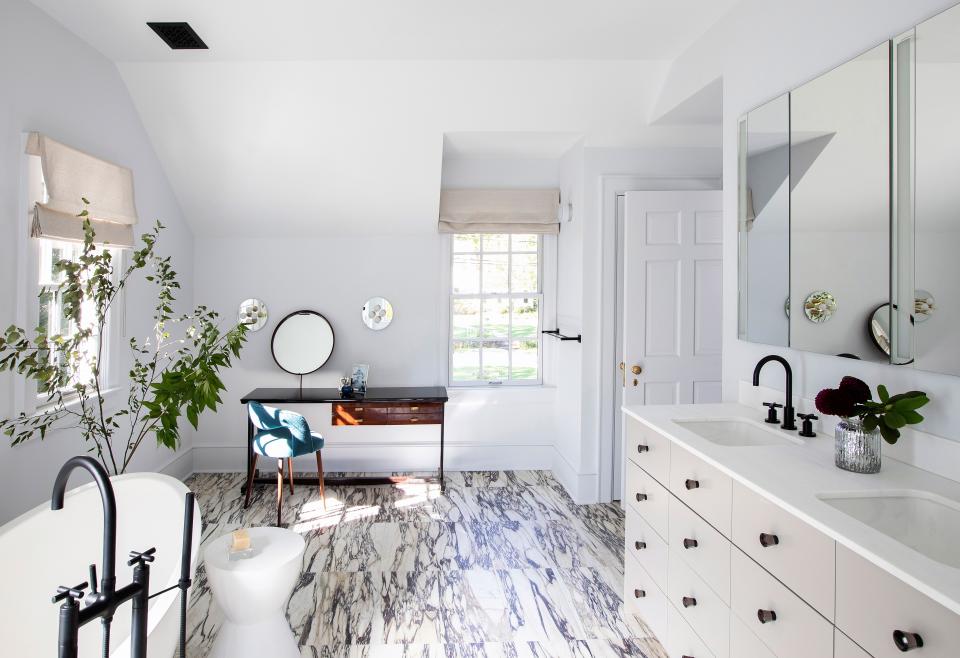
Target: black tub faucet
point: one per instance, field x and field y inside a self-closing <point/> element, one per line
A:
<point x="789" y="422"/>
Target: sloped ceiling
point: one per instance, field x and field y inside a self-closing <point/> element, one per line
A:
<point x="314" y="118"/>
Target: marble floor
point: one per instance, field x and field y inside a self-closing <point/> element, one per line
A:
<point x="501" y="564"/>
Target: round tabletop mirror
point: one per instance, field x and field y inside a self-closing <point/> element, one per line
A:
<point x="880" y="328"/>
<point x="302" y="342"/>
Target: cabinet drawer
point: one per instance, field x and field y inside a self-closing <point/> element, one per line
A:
<point x="844" y="647"/>
<point x="744" y="644"/>
<point x="800" y="557"/>
<point x="872" y="605"/>
<point x="682" y="641"/>
<point x="648" y="448"/>
<point x="648" y="497"/>
<point x="702" y="487"/>
<point x="703" y="609"/>
<point x="642" y="597"/>
<point x="797" y="631"/>
<point x="351" y="413"/>
<point x="704" y="549"/>
<point x="646" y="546"/>
<point x="413" y="418"/>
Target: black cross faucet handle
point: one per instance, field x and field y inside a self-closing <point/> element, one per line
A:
<point x="807" y="429"/>
<point x="139" y="558"/>
<point x="772" y="413"/>
<point x="75" y="593"/>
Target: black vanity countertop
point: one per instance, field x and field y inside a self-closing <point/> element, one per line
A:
<point x="321" y="395"/>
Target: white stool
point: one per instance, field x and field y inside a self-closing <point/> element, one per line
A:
<point x="253" y="592"/>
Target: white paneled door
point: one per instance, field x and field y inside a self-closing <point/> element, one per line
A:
<point x="672" y="307"/>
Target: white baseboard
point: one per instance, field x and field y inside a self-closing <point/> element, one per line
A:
<point x="582" y="487"/>
<point x="180" y="465"/>
<point x="385" y="458"/>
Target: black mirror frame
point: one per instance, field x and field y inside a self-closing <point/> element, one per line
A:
<point x="273" y="337"/>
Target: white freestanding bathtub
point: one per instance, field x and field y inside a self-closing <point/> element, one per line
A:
<point x="42" y="549"/>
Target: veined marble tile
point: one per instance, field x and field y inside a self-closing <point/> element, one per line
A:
<point x="501" y="564"/>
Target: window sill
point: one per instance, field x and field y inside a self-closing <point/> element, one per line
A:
<point x="73" y="401"/>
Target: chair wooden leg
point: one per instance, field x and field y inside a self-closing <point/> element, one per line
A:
<point x="279" y="489"/>
<point x="290" y="475"/>
<point x="323" y="496"/>
<point x="253" y="471"/>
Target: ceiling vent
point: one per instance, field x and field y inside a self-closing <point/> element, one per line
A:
<point x="179" y="36"/>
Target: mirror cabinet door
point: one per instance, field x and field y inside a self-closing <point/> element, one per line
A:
<point x="840" y="207"/>
<point x="764" y="223"/>
<point x="936" y="284"/>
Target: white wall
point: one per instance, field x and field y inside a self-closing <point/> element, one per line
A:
<point x="55" y="83"/>
<point x="510" y="428"/>
<point x="763" y="49"/>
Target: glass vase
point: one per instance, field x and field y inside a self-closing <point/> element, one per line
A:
<point x="857" y="450"/>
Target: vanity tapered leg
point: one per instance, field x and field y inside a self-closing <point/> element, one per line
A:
<point x="250" y="473"/>
<point x="290" y="474"/>
<point x="323" y="496"/>
<point x="279" y="490"/>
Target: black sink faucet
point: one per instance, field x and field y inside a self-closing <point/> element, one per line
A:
<point x="789" y="422"/>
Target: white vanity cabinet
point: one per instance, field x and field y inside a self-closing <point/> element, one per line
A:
<point x="718" y="569"/>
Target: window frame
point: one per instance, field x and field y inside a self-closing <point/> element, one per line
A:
<point x="538" y="295"/>
<point x="26" y="395"/>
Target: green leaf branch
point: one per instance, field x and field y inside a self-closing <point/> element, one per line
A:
<point x="174" y="372"/>
<point x="891" y="412"/>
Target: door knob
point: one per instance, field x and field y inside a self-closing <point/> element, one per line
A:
<point x="636" y="370"/>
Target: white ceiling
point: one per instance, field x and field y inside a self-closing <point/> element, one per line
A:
<point x="312" y="117"/>
<point x="250" y="30"/>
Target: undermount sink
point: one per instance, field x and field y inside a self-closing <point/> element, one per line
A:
<point x="927" y="523"/>
<point x="735" y="432"/>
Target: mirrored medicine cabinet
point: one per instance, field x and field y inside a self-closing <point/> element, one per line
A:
<point x="849" y="207"/>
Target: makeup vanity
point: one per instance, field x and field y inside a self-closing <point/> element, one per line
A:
<point x="744" y="541"/>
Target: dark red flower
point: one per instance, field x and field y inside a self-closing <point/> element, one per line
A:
<point x="858" y="391"/>
<point x="835" y="402"/>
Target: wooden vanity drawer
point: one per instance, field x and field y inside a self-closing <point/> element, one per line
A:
<point x="648" y="448"/>
<point x="648" y="497"/>
<point x="704" y="549"/>
<point x="801" y="557"/>
<point x="384" y="413"/>
<point x="872" y="605"/>
<point x="797" y="631"/>
<point x="703" y="609"/>
<point x="702" y="487"/>
<point x="649" y="549"/>
<point x="681" y="640"/>
<point x="844" y="647"/>
<point x="643" y="598"/>
<point x="744" y="644"/>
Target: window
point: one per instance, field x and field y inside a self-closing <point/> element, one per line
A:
<point x="45" y="309"/>
<point x="50" y="314"/>
<point x="496" y="297"/>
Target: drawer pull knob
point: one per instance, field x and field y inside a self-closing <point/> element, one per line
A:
<point x="907" y="641"/>
<point x="766" y="616"/>
<point x="689" y="601"/>
<point x="643" y="448"/>
<point x="639" y="545"/>
<point x="692" y="484"/>
<point x="358" y="408"/>
<point x="690" y="543"/>
<point x="768" y="540"/>
<point x="639" y="594"/>
<point x="414" y="408"/>
<point x="641" y="497"/>
<point x="414" y="420"/>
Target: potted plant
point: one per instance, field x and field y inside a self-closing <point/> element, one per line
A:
<point x="175" y="371"/>
<point x="864" y="420"/>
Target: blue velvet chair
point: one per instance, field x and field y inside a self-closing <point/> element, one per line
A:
<point x="282" y="435"/>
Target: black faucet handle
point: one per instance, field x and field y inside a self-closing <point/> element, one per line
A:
<point x="807" y="429"/>
<point x="772" y="411"/>
<point x="74" y="593"/>
<point x="137" y="557"/>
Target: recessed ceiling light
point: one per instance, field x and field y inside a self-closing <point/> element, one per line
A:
<point x="179" y="36"/>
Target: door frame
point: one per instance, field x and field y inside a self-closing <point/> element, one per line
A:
<point x="613" y="186"/>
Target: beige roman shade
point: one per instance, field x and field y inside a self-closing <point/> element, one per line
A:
<point x="70" y="176"/>
<point x="500" y="211"/>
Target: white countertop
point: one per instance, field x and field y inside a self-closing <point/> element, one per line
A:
<point x="792" y="475"/>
